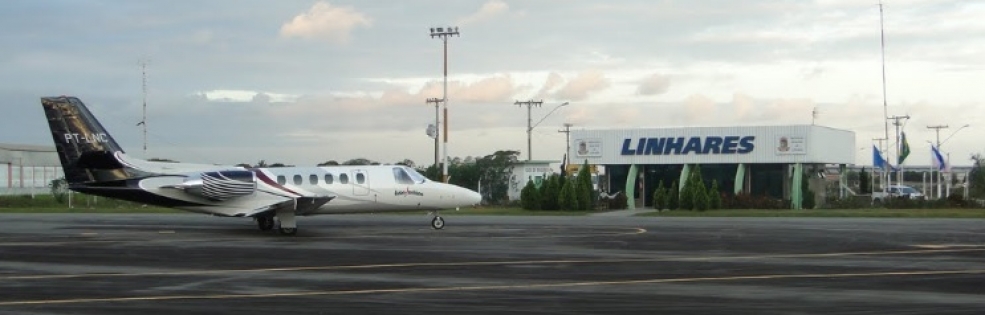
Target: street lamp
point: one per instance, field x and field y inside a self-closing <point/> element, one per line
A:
<point x="443" y="33"/>
<point x="437" y="126"/>
<point x="530" y="127"/>
<point x="952" y="134"/>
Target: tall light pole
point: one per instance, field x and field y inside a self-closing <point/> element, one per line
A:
<point x="437" y="127"/>
<point x="530" y="127"/>
<point x="443" y="34"/>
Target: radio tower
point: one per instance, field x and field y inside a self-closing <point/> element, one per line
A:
<point x="143" y="121"/>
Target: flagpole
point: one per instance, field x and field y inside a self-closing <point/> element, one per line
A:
<point x="885" y="109"/>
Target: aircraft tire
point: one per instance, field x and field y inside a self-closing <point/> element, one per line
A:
<point x="288" y="231"/>
<point x="265" y="223"/>
<point x="437" y="223"/>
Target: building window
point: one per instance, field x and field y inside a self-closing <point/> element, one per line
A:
<point x="343" y="178"/>
<point x="297" y="180"/>
<point x="313" y="179"/>
<point x="328" y="179"/>
<point x="281" y="179"/>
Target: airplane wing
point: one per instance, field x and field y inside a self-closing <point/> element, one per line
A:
<point x="300" y="205"/>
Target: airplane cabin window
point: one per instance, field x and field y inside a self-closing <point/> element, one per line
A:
<point x="297" y="180"/>
<point x="401" y="176"/>
<point x="343" y="178"/>
<point x="313" y="179"/>
<point x="281" y="179"/>
<point x="328" y="179"/>
<point x="360" y="178"/>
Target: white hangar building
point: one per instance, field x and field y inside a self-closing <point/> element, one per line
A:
<point x="743" y="160"/>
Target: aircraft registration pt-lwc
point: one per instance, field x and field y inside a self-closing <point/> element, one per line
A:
<point x="95" y="164"/>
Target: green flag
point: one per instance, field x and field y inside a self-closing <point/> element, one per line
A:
<point x="904" y="149"/>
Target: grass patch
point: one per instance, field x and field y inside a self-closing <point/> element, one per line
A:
<point x="828" y="213"/>
<point x="514" y="211"/>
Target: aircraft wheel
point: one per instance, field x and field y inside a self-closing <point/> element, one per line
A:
<point x="437" y="223"/>
<point x="265" y="223"/>
<point x="288" y="231"/>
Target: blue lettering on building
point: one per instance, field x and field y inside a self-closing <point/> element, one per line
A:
<point x="692" y="145"/>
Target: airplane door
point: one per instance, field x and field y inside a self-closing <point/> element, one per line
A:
<point x="360" y="184"/>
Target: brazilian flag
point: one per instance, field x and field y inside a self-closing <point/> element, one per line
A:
<point x="904" y="149"/>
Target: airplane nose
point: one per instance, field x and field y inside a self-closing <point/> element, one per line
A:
<point x="470" y="197"/>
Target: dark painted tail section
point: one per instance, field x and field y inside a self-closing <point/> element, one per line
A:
<point x="86" y="150"/>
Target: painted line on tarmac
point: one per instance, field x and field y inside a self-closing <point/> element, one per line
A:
<point x="481" y="263"/>
<point x="945" y="246"/>
<point x="119" y="237"/>
<point x="494" y="287"/>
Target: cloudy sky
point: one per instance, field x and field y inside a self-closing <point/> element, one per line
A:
<point x="301" y="82"/>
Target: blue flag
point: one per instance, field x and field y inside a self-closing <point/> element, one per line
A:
<point x="877" y="159"/>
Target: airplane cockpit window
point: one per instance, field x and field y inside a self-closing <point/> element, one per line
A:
<point x="297" y="180"/>
<point x="415" y="176"/>
<point x="281" y="179"/>
<point x="328" y="179"/>
<point x="313" y="179"/>
<point x="343" y="178"/>
<point x="360" y="178"/>
<point x="401" y="176"/>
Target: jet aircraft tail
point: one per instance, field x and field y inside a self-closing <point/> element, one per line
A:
<point x="87" y="151"/>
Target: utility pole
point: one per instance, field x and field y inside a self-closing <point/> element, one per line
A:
<point x="896" y="122"/>
<point x="567" y="141"/>
<point x="529" y="104"/>
<point x="437" y="128"/>
<point x="443" y="34"/>
<point x="935" y="174"/>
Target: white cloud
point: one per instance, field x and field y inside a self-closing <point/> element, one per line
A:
<point x="325" y="21"/>
<point x="654" y="84"/>
<point x="583" y="85"/>
<point x="488" y="11"/>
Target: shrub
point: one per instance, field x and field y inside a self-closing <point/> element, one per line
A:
<point x="714" y="196"/>
<point x="567" y="199"/>
<point x="530" y="196"/>
<point x="673" y="197"/>
<point x="659" y="197"/>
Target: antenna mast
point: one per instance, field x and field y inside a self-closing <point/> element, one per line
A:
<point x="143" y="121"/>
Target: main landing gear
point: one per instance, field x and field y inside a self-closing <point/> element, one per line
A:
<point x="265" y="223"/>
<point x="288" y="224"/>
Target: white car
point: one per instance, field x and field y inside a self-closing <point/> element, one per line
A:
<point x="898" y="191"/>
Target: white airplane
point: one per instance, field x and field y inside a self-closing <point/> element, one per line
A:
<point x="95" y="164"/>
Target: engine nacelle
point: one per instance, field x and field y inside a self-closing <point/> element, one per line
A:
<point x="221" y="185"/>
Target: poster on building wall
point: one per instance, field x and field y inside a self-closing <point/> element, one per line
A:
<point x="790" y="145"/>
<point x="588" y="148"/>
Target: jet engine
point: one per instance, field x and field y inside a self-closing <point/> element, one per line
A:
<point x="221" y="185"/>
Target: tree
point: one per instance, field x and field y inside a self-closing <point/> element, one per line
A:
<point x="549" y="192"/>
<point x="328" y="163"/>
<point x="700" y="193"/>
<point x="360" y="161"/>
<point x="864" y="182"/>
<point x="673" y="197"/>
<point x="568" y="198"/>
<point x="806" y="193"/>
<point x="659" y="197"/>
<point x="976" y="178"/>
<point x="407" y="163"/>
<point x="714" y="196"/>
<point x="585" y="190"/>
<point x="530" y="196"/>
